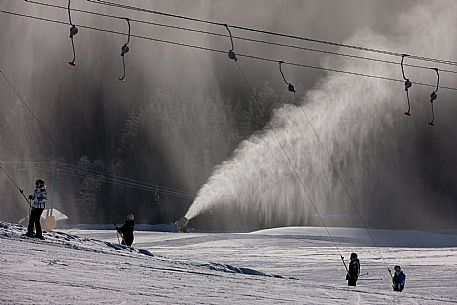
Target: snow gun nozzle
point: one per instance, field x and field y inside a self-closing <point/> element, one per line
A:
<point x="181" y="224"/>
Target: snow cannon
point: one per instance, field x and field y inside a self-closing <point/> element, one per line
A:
<point x="181" y="224"/>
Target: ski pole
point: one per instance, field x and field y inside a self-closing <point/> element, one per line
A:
<point x="344" y="263"/>
<point x="17" y="186"/>
<point x="117" y="233"/>
<point x="122" y="237"/>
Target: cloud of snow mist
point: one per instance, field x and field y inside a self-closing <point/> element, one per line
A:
<point x="360" y="122"/>
<point x="260" y="176"/>
<point x="84" y="108"/>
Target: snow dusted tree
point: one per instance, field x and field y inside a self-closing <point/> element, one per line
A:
<point x="89" y="190"/>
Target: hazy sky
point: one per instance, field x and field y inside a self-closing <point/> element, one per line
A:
<point x="387" y="162"/>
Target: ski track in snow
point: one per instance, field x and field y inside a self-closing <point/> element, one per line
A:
<point x="276" y="266"/>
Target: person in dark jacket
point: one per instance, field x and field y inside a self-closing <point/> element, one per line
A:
<point x="37" y="203"/>
<point x="398" y="279"/>
<point x="126" y="230"/>
<point x="353" y="270"/>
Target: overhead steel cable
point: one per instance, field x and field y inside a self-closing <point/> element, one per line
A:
<point x="319" y="41"/>
<point x="340" y="179"/>
<point x="17" y="186"/>
<point x="182" y="194"/>
<point x="94" y="173"/>
<point x="239" y="37"/>
<point x="291" y="164"/>
<point x="33" y="115"/>
<point x="224" y="52"/>
<point x="108" y="179"/>
<point x="125" y="180"/>
<point x="231" y="55"/>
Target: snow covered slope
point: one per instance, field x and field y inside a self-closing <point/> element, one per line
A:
<point x="276" y="266"/>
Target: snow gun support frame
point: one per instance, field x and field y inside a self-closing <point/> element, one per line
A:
<point x="181" y="224"/>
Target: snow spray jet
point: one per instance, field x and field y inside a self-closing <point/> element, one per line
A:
<point x="359" y="123"/>
<point x="259" y="176"/>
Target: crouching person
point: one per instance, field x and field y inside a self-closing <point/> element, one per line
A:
<point x="126" y="230"/>
<point x="398" y="279"/>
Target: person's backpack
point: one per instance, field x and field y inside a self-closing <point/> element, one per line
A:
<point x="354" y="268"/>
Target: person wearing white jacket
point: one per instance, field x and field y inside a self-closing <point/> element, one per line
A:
<point x="38" y="203"/>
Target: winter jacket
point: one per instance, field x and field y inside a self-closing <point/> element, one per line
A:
<point x="398" y="281"/>
<point x="353" y="270"/>
<point x="127" y="232"/>
<point x="39" y="197"/>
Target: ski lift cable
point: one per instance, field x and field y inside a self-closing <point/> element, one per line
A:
<point x="51" y="138"/>
<point x="82" y="173"/>
<point x="110" y="181"/>
<point x="199" y="47"/>
<point x="17" y="186"/>
<point x="408" y="84"/>
<point x="33" y="115"/>
<point x="437" y="86"/>
<point x="73" y="32"/>
<point x="70" y="173"/>
<point x="231" y="55"/>
<point x="241" y="38"/>
<point x="122" y="179"/>
<point x="338" y="176"/>
<point x="243" y="28"/>
<point x="114" y="178"/>
<point x="289" y="160"/>
<point x="290" y="86"/>
<point x="434" y="96"/>
<point x="24" y="162"/>
<point x="221" y="51"/>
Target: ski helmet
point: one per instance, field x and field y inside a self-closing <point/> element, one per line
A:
<point x="130" y="217"/>
<point x="397" y="268"/>
<point x="353" y="255"/>
<point x="39" y="183"/>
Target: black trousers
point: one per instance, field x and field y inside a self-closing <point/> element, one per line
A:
<point x="34" y="220"/>
<point x="352" y="282"/>
<point x="398" y="287"/>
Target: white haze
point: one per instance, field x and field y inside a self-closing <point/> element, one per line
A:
<point x="354" y="117"/>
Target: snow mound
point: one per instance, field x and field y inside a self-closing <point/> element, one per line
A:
<point x="63" y="239"/>
<point x="241" y="270"/>
<point x="360" y="236"/>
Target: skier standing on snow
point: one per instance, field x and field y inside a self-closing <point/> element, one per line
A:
<point x="39" y="198"/>
<point x="353" y="270"/>
<point x="126" y="230"/>
<point x="398" y="279"/>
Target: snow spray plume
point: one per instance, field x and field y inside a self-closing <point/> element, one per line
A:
<point x="360" y="123"/>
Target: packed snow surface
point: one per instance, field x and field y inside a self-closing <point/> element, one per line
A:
<point x="299" y="265"/>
